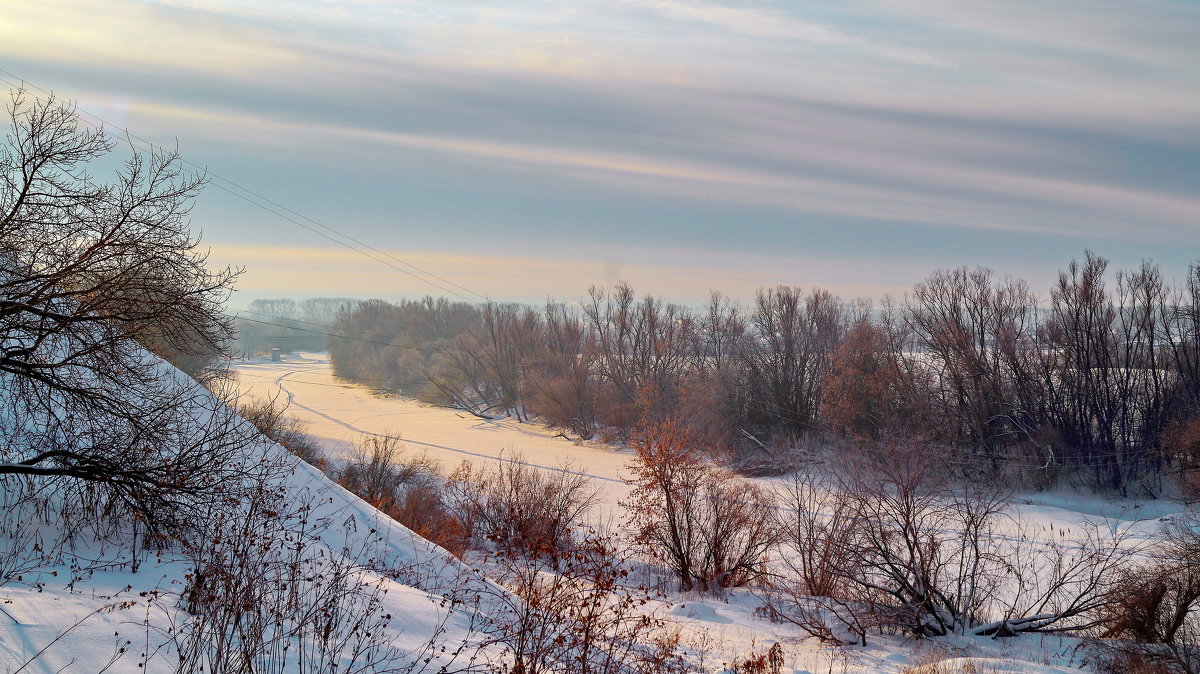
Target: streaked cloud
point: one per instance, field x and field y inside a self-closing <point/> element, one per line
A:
<point x="78" y="33"/>
<point x="938" y="132"/>
<point x="778" y="24"/>
<point x="342" y="273"/>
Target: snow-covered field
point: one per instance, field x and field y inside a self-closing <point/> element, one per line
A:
<point x="52" y="622"/>
<point x="339" y="415"/>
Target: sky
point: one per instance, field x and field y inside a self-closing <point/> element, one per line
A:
<point x="530" y="149"/>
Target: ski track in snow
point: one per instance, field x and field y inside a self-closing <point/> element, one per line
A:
<point x="340" y="414"/>
<point x="480" y="455"/>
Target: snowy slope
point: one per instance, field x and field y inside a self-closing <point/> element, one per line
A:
<point x="55" y="621"/>
<point x="115" y="616"/>
<point x="339" y="415"/>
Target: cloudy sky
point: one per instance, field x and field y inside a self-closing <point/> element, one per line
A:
<point x="528" y="149"/>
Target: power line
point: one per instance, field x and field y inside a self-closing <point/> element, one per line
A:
<point x="282" y="211"/>
<point x="283" y="318"/>
<point x="277" y="208"/>
<point x="331" y="334"/>
<point x="242" y="373"/>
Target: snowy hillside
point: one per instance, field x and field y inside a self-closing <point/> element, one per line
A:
<point x="106" y="602"/>
<point x="340" y="415"/>
<point x="110" y="605"/>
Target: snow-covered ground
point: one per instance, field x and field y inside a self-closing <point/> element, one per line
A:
<point x="339" y="415"/>
<point x="113" y="606"/>
<point x="50" y="623"/>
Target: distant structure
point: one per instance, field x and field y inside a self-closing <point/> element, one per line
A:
<point x="275" y="355"/>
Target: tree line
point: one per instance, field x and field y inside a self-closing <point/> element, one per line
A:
<point x="1099" y="378"/>
<point x="285" y="324"/>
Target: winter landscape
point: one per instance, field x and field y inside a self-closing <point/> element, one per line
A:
<point x="604" y="338"/>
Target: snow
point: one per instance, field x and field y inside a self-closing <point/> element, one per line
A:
<point x="339" y="415"/>
<point x="81" y="622"/>
<point x="58" y="619"/>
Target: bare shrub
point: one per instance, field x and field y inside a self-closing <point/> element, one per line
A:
<point x="769" y="662"/>
<point x="573" y="611"/>
<point x="270" y="417"/>
<point x="519" y="507"/>
<point x="710" y="528"/>
<point x="940" y="664"/>
<point x="264" y="595"/>
<point x="381" y="471"/>
<point x="917" y="551"/>
<point x="1112" y="659"/>
<point x="1057" y="583"/>
<point x="812" y="590"/>
<point x="900" y="546"/>
<point x="373" y="475"/>
<point x="24" y="549"/>
<point x="932" y="549"/>
<point x="1153" y="609"/>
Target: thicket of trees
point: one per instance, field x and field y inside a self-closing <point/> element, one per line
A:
<point x="102" y="440"/>
<point x="91" y="272"/>
<point x="286" y="324"/>
<point x="1095" y="378"/>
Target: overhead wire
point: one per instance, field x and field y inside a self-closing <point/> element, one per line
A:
<point x="358" y="246"/>
<point x="274" y="207"/>
<point x="412" y="347"/>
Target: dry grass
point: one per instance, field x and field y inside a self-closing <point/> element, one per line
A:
<point x="940" y="664"/>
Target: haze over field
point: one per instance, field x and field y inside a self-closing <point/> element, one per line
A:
<point x="535" y="148"/>
<point x="600" y="337"/>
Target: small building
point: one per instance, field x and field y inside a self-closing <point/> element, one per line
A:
<point x="275" y="357"/>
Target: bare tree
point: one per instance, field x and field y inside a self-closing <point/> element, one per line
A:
<point x="89" y="271"/>
<point x="710" y="528"/>
<point x="641" y="350"/>
<point x="564" y="391"/>
<point x="787" y="354"/>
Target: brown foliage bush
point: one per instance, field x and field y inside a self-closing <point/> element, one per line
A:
<point x="424" y="511"/>
<point x="1182" y="441"/>
<point x="270" y="417"/>
<point x="861" y="397"/>
<point x="770" y="662"/>
<point x="1153" y="609"/>
<point x="518" y="507"/>
<point x="709" y="527"/>
<point x="407" y="489"/>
